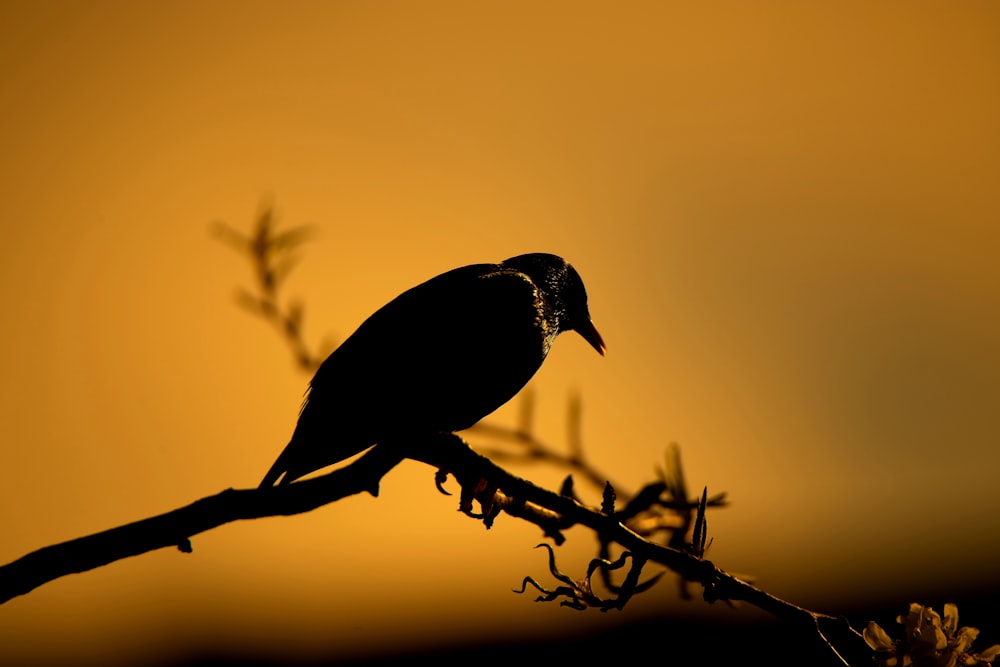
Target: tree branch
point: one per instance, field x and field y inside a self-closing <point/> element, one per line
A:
<point x="483" y="481"/>
<point x="174" y="529"/>
<point x="450" y="453"/>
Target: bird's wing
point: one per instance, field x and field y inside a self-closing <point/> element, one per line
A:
<point x="475" y="325"/>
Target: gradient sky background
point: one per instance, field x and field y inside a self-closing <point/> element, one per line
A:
<point x="786" y="214"/>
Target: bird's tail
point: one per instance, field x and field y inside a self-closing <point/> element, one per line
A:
<point x="301" y="457"/>
<point x="277" y="470"/>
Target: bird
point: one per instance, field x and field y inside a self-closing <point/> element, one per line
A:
<point x="436" y="359"/>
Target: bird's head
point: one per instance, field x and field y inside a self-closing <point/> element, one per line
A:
<point x="564" y="292"/>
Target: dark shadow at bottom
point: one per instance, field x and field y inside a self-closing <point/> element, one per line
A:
<point x="665" y="640"/>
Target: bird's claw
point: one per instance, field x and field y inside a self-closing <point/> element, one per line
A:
<point x="439" y="479"/>
<point x="485" y="493"/>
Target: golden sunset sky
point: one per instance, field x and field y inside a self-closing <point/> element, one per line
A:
<point x="787" y="215"/>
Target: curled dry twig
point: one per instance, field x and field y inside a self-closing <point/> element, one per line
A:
<point x="579" y="593"/>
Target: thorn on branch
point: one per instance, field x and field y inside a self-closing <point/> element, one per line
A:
<point x="700" y="527"/>
<point x="608" y="501"/>
<point x="567" y="490"/>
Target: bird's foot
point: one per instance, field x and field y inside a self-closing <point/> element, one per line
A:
<point x="486" y="494"/>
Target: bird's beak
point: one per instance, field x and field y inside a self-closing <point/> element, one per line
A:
<point x="589" y="333"/>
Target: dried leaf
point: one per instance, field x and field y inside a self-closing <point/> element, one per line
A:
<point x="950" y="623"/>
<point x="964" y="639"/>
<point x="230" y="236"/>
<point x="292" y="237"/>
<point x="877" y="638"/>
<point x="989" y="654"/>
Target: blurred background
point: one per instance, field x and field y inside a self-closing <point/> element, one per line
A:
<point x="786" y="215"/>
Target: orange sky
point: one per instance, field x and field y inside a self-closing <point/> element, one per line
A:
<point x="785" y="213"/>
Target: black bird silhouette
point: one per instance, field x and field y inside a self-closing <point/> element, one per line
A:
<point x="437" y="359"/>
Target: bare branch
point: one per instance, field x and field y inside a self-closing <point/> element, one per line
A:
<point x="174" y="529"/>
<point x="495" y="489"/>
